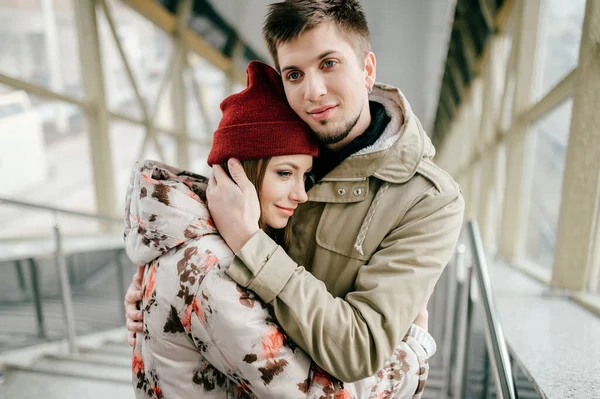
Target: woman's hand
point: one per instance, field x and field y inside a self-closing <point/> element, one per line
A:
<point x="134" y="316"/>
<point x="422" y="319"/>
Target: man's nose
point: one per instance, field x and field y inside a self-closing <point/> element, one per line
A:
<point x="315" y="88"/>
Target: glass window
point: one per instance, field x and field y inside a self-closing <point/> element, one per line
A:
<point x="17" y="109"/>
<point x="507" y="103"/>
<point x="126" y="142"/>
<point x="168" y="148"/>
<point x="477" y="104"/>
<point x="500" y="69"/>
<point x="39" y="44"/>
<point x="475" y="186"/>
<point x="209" y="83"/>
<point x="560" y="35"/>
<point x="594" y="280"/>
<point x="549" y="154"/>
<point x="163" y="114"/>
<point x="497" y="198"/>
<point x="237" y="87"/>
<point x="197" y="124"/>
<point x="504" y="77"/>
<point x="8" y="110"/>
<point x="198" y="157"/>
<point x="148" y="50"/>
<point x="214" y="85"/>
<point x="509" y="32"/>
<point x="47" y="162"/>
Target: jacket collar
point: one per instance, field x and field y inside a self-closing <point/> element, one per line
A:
<point x="394" y="158"/>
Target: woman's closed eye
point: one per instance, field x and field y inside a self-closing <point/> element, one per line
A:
<point x="285" y="173"/>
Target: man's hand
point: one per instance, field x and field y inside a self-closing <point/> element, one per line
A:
<point x="134" y="315"/>
<point x="233" y="204"/>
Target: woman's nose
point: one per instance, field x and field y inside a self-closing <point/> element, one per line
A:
<point x="299" y="193"/>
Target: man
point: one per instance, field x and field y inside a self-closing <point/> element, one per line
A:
<point x="380" y="223"/>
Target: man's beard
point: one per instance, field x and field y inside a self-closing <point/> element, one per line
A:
<point x="336" y="137"/>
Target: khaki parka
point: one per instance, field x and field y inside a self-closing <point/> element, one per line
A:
<point x="366" y="252"/>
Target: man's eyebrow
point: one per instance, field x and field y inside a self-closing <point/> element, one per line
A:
<point x="287" y="68"/>
<point x="325" y="54"/>
<point x="317" y="58"/>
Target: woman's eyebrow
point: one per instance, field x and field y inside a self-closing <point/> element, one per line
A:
<point x="290" y="164"/>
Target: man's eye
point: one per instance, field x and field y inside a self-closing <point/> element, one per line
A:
<point x="293" y="76"/>
<point x="329" y="63"/>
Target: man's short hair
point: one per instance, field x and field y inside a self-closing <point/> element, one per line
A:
<point x="289" y="19"/>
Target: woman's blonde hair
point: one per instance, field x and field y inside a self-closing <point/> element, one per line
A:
<point x="255" y="170"/>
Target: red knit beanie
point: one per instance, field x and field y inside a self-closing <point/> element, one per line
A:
<point x="259" y="123"/>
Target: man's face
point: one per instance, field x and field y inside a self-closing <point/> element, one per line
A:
<point x="326" y="84"/>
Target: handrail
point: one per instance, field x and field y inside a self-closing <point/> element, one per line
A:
<point x="61" y="266"/>
<point x="32" y="205"/>
<point x="496" y="344"/>
<point x="464" y="289"/>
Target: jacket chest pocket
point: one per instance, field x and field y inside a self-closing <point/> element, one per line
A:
<point x="340" y="226"/>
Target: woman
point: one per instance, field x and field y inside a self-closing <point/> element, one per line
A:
<point x="204" y="336"/>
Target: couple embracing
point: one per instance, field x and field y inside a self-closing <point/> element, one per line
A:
<point x="302" y="268"/>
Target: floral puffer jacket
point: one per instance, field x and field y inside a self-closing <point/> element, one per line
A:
<point x="205" y="336"/>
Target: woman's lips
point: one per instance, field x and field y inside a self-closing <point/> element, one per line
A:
<point x="286" y="211"/>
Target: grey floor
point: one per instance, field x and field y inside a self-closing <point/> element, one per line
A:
<point x="102" y="372"/>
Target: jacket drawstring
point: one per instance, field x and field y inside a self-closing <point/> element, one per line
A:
<point x="364" y="228"/>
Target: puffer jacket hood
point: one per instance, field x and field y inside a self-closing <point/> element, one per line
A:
<point x="164" y="208"/>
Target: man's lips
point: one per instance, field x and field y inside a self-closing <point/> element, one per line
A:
<point x="322" y="112"/>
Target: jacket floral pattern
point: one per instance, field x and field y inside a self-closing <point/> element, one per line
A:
<point x="207" y="337"/>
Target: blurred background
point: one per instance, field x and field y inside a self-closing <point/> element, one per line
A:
<point x="508" y="90"/>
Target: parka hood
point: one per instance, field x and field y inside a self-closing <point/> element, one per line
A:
<point x="396" y="155"/>
<point x="164" y="208"/>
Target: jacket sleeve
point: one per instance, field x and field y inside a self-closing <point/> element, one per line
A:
<point x="403" y="376"/>
<point x="352" y="337"/>
<point x="234" y="331"/>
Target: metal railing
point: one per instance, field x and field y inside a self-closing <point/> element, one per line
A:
<point x="495" y="343"/>
<point x="58" y="211"/>
<point x="60" y="261"/>
<point x="465" y="284"/>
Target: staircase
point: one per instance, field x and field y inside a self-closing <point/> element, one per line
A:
<point x="101" y="370"/>
<point x="480" y="380"/>
<point x="33" y="367"/>
<point x="434" y="385"/>
<point x="460" y="318"/>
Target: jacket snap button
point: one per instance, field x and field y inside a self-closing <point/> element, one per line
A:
<point x="342" y="191"/>
<point x="357" y="192"/>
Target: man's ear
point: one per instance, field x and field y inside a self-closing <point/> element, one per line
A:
<point x="370" y="70"/>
